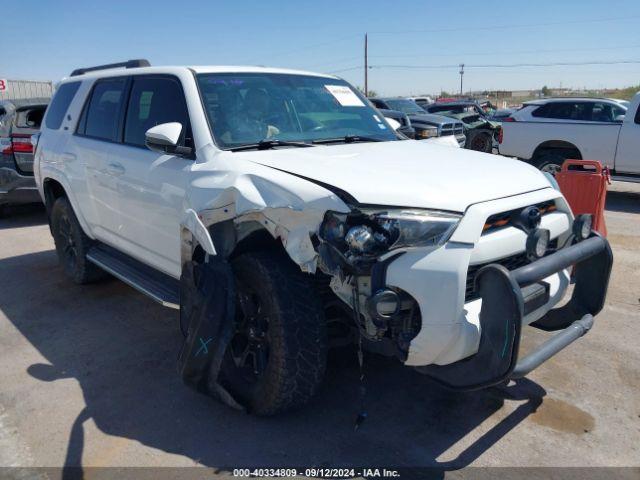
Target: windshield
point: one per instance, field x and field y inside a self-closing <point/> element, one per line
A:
<point x="247" y="108"/>
<point x="406" y="106"/>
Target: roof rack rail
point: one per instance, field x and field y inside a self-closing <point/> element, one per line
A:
<point x="141" y="62"/>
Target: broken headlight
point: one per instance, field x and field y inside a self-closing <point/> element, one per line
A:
<point x="371" y="232"/>
<point x="417" y="228"/>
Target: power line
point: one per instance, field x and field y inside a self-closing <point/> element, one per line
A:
<point x="512" y="52"/>
<point x="513" y="65"/>
<point x="510" y="26"/>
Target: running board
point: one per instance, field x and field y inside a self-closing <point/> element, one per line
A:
<point x="160" y="287"/>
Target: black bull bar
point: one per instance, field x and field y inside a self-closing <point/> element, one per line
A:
<point x="505" y="295"/>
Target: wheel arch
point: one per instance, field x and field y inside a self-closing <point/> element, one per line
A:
<point x="558" y="145"/>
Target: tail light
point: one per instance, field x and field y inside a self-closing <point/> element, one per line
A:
<point x="500" y="135"/>
<point x="508" y="119"/>
<point x="18" y="144"/>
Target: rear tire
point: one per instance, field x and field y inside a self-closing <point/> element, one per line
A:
<point x="280" y="318"/>
<point x="549" y="162"/>
<point x="72" y="244"/>
<point x="480" y="141"/>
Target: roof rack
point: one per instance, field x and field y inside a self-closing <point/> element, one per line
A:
<point x="141" y="62"/>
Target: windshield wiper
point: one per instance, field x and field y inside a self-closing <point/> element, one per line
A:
<point x="348" y="139"/>
<point x="269" y="144"/>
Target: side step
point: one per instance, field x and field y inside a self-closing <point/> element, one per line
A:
<point x="160" y="287"/>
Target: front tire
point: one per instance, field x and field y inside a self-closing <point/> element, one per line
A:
<point x="277" y="357"/>
<point x="72" y="244"/>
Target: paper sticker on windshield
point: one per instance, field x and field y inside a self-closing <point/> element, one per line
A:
<point x="344" y="95"/>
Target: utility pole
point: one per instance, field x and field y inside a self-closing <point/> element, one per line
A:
<point x="366" y="68"/>
<point x="461" y="75"/>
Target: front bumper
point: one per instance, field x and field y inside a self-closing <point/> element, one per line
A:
<point x="16" y="188"/>
<point x="505" y="295"/>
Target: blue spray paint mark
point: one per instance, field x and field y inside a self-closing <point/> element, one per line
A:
<point x="203" y="346"/>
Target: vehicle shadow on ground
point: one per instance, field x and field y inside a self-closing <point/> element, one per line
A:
<point x="23" y="216"/>
<point x="625" y="202"/>
<point x="122" y="349"/>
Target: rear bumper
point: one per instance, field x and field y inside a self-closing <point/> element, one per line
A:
<point x="16" y="188"/>
<point x="506" y="296"/>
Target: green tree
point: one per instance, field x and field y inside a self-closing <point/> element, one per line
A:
<point x="545" y="91"/>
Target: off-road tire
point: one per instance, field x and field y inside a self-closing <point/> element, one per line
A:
<point x="549" y="162"/>
<point x="296" y="335"/>
<point x="480" y="141"/>
<point x="65" y="228"/>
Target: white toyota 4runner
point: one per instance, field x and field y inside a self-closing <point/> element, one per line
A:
<point x="280" y="213"/>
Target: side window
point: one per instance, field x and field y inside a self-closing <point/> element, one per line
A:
<point x="153" y="101"/>
<point x="603" y="112"/>
<point x="378" y="103"/>
<point x="102" y="114"/>
<point x="637" y="119"/>
<point x="59" y="105"/>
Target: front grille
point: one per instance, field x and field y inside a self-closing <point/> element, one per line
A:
<point x="451" y="129"/>
<point x="510" y="263"/>
<point x="447" y="129"/>
<point x="504" y="219"/>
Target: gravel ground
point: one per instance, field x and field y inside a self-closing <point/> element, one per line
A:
<point x="88" y="377"/>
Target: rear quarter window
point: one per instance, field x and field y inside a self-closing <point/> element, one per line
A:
<point x="59" y="105"/>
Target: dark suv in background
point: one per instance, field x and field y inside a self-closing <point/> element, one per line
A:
<point x="19" y="120"/>
<point x="421" y="121"/>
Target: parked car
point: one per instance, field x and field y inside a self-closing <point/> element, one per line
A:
<point x="547" y="132"/>
<point x="278" y="211"/>
<point x="481" y="132"/>
<point x="423" y="122"/>
<point x="19" y="120"/>
<point x="403" y="121"/>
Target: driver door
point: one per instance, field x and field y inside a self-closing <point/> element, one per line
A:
<point x="152" y="186"/>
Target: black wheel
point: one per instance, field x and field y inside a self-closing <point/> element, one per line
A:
<point x="72" y="244"/>
<point x="277" y="356"/>
<point x="480" y="141"/>
<point x="549" y="162"/>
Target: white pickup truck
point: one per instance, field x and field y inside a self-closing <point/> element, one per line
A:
<point x="545" y="133"/>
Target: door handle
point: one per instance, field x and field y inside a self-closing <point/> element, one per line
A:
<point x="115" y="169"/>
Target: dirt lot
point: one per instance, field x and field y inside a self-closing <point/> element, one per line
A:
<point x="88" y="378"/>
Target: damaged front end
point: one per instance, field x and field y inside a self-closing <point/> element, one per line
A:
<point x="355" y="250"/>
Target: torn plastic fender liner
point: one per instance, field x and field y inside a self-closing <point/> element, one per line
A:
<point x="207" y="312"/>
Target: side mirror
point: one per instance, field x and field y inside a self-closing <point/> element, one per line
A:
<point x="164" y="138"/>
<point x="393" y="122"/>
<point x="619" y="118"/>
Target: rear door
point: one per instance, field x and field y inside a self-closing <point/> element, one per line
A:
<point x="628" y="154"/>
<point x="99" y="128"/>
<point x="152" y="186"/>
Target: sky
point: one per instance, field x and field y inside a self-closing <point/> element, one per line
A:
<point x="48" y="39"/>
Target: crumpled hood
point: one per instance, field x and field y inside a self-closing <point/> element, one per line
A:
<point x="406" y="173"/>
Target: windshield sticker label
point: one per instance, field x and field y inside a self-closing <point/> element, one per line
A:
<point x="382" y="127"/>
<point x="376" y="118"/>
<point x="344" y="95"/>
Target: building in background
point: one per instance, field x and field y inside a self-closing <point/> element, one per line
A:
<point x="23" y="89"/>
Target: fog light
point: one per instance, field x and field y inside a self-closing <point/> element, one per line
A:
<point x="582" y="226"/>
<point x="385" y="304"/>
<point x="537" y="243"/>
